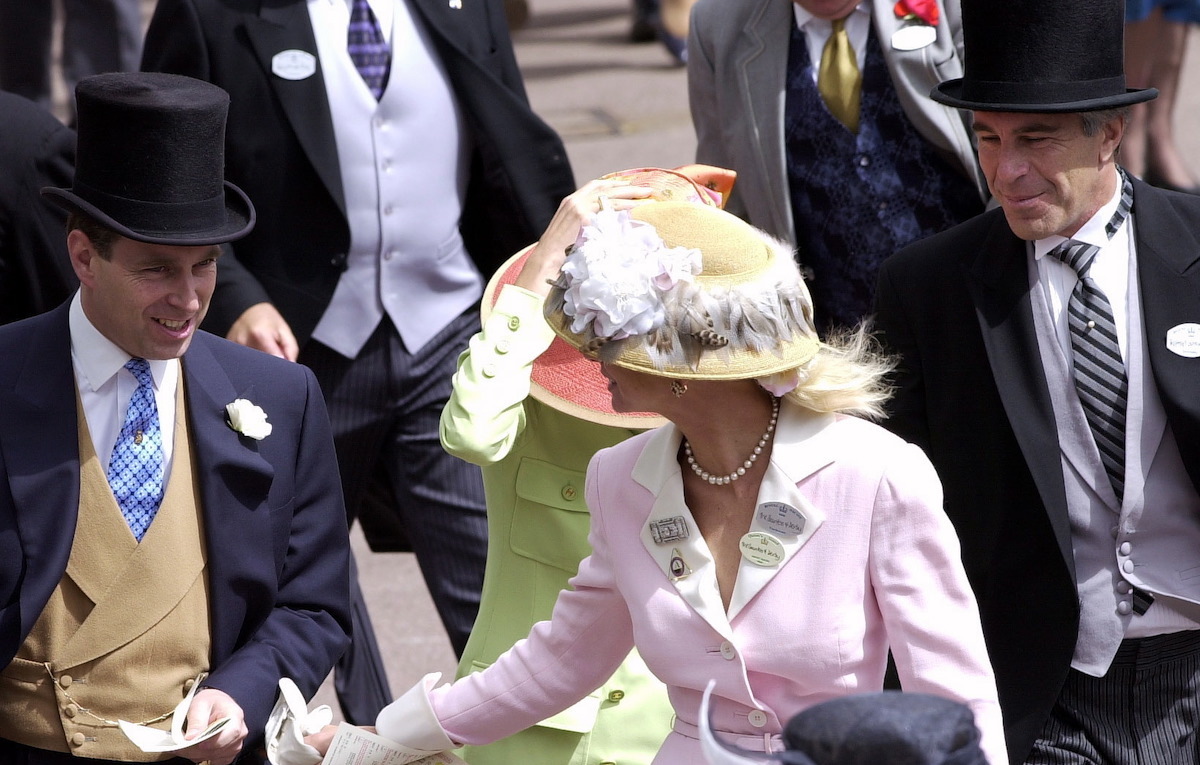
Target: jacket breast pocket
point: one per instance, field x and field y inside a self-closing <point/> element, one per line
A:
<point x="550" y="519"/>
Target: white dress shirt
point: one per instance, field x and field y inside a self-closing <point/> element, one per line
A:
<point x="105" y="387"/>
<point x="817" y="31"/>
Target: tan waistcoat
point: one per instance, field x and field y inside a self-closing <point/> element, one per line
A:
<point x="126" y="630"/>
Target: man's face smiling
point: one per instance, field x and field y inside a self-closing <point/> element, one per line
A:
<point x="146" y="298"/>
<point x="1047" y="174"/>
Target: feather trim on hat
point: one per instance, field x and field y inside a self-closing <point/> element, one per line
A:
<point x="738" y="322"/>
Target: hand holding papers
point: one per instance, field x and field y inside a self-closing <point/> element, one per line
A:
<point x="291" y="721"/>
<point x="154" y="740"/>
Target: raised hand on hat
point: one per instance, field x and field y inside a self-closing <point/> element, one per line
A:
<point x="573" y="212"/>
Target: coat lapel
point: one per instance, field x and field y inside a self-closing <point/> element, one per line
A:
<point x="43" y="461"/>
<point x="1168" y="252"/>
<point x="658" y="471"/>
<point x="287" y="27"/>
<point x="234" y="484"/>
<point x="998" y="279"/>
<point x="794" y="457"/>
<point x="764" y="83"/>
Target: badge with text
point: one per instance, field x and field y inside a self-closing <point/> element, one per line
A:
<point x="1184" y="340"/>
<point x="678" y="566"/>
<point x="294" y="64"/>
<point x="762" y="549"/>
<point x="781" y="518"/>
<point x="669" y="530"/>
<point x="913" y="37"/>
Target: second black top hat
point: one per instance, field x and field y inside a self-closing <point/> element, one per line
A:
<point x="1042" y="56"/>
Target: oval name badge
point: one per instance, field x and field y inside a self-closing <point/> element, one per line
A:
<point x="1184" y="340"/>
<point x="913" y="37"/>
<point x="762" y="549"/>
<point x="781" y="518"/>
<point x="294" y="64"/>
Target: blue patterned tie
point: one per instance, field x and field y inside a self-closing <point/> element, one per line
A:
<point x="1099" y="371"/>
<point x="135" y="471"/>
<point x="368" y="50"/>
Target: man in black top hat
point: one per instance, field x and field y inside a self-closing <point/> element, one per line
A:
<point x="1050" y="353"/>
<point x="171" y="519"/>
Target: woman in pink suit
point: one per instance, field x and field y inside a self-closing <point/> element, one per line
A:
<point x="768" y="538"/>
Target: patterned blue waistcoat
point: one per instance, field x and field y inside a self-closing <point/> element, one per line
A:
<point x="856" y="199"/>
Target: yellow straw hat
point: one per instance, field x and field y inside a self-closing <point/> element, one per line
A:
<point x="682" y="290"/>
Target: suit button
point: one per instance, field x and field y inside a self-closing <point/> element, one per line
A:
<point x="70" y="710"/>
<point x="64" y="681"/>
<point x="1125" y="548"/>
<point x="728" y="652"/>
<point x="757" y="718"/>
<point x="1127" y="567"/>
<point x="489" y="370"/>
<point x="77" y="739"/>
<point x="569" y="493"/>
<point x="514" y="323"/>
<point x="1123" y="607"/>
<point x="1124" y="587"/>
<point x="503" y="347"/>
<point x="615" y="696"/>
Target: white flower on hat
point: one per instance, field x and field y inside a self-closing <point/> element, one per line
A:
<point x="618" y="273"/>
<point x="248" y="419"/>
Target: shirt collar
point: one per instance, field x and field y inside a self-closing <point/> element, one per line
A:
<point x="803" y="17"/>
<point x="1092" y="232"/>
<point x="97" y="358"/>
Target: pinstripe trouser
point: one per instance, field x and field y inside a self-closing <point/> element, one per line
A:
<point x="384" y="407"/>
<point x="1144" y="711"/>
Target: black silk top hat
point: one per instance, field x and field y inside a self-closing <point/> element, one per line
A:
<point x="1042" y="56"/>
<point x="886" y="727"/>
<point x="150" y="160"/>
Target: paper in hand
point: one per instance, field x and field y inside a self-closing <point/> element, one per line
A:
<point x="355" y="746"/>
<point x="154" y="740"/>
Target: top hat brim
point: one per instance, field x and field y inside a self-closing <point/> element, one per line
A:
<point x="1031" y="101"/>
<point x="239" y="219"/>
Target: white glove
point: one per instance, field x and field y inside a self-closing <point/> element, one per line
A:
<point x="289" y="723"/>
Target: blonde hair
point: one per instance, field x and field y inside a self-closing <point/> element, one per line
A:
<point x="847" y="376"/>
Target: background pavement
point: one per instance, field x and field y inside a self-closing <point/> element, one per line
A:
<point x="617" y="105"/>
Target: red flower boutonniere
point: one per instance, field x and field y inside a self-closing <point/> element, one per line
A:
<point x="925" y="10"/>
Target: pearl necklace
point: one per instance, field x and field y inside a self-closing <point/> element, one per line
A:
<point x="741" y="471"/>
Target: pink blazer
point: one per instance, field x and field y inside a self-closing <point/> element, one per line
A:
<point x="875" y="565"/>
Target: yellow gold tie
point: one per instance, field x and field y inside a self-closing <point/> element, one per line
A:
<point x="838" y="79"/>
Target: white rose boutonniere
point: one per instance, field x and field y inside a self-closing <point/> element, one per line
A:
<point x="248" y="419"/>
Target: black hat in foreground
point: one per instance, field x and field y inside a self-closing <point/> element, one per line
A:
<point x="1042" y="56"/>
<point x="865" y="729"/>
<point x="150" y="160"/>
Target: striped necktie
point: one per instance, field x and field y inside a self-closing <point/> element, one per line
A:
<point x="1099" y="371"/>
<point x="135" y="470"/>
<point x="368" y="49"/>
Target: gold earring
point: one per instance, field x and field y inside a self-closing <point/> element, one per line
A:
<point x="678" y="388"/>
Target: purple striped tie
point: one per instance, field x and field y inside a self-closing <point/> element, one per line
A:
<point x="371" y="54"/>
